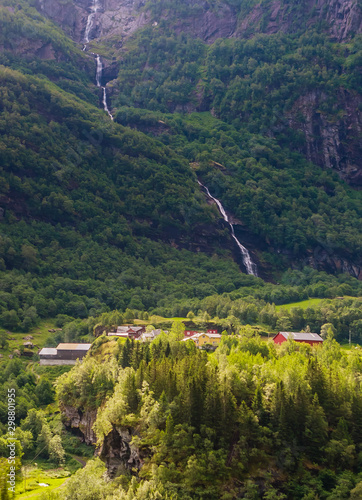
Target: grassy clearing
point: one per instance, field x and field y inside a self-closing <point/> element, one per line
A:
<point x="348" y="347"/>
<point x="37" y="475"/>
<point x="304" y="304"/>
<point x="40" y="336"/>
<point x="34" y="491"/>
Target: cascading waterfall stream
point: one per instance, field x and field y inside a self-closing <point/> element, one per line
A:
<point x="99" y="84"/>
<point x="248" y="263"/>
<point x="95" y="7"/>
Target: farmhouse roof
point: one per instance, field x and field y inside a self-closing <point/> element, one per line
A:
<point x="74" y="347"/>
<point x="302" y="336"/>
<point x="197" y="335"/>
<point x="48" y="351"/>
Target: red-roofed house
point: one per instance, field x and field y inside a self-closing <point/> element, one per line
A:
<point x="304" y="337"/>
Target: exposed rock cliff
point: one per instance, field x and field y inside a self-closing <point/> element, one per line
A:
<point x="121" y="18"/>
<point x="333" y="138"/>
<point x="115" y="17"/>
<point x="117" y="449"/>
<point x="119" y="453"/>
<point x="209" y="24"/>
<point x="343" y="18"/>
<point x="82" y="422"/>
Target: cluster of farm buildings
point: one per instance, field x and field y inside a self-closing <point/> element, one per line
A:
<point x="67" y="354"/>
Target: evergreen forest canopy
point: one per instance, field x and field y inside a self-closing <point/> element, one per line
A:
<point x="249" y="421"/>
<point x="104" y="222"/>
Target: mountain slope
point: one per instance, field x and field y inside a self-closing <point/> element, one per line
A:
<point x="98" y="215"/>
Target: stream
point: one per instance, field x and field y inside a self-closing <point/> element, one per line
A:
<point x="250" y="266"/>
<point x="95" y="7"/>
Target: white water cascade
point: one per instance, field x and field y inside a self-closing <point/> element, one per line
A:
<point x="99" y="84"/>
<point x="95" y="7"/>
<point x="248" y="263"/>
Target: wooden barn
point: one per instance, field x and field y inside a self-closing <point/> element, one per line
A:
<point x="303" y="337"/>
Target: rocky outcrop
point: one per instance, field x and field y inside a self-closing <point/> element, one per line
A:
<point x="117" y="449"/>
<point x="209" y="24"/>
<point x="81" y="422"/>
<point x="119" y="453"/>
<point x="114" y="17"/>
<point x="332" y="137"/>
<point x="343" y="17"/>
<point x="71" y="16"/>
<point x="120" y="18"/>
<point x="324" y="259"/>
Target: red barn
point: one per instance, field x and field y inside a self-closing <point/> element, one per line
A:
<point x="304" y="337"/>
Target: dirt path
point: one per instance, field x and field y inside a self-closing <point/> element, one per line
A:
<point x="82" y="462"/>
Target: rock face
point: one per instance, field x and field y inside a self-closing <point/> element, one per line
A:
<point x="114" y="17"/>
<point x="343" y="17"/>
<point x="325" y="260"/>
<point x="121" y="18"/>
<point x="119" y="453"/>
<point x="117" y="450"/>
<point x="209" y="24"/>
<point x="82" y="422"/>
<point x="332" y="140"/>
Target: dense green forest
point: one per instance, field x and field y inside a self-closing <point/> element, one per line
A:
<point x="103" y="222"/>
<point x="87" y="202"/>
<point x="249" y="421"/>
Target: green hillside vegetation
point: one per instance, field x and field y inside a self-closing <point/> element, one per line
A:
<point x="103" y="223"/>
<point x="279" y="196"/>
<point x="79" y="197"/>
<point x="98" y="216"/>
<point x="34" y="45"/>
<point x="252" y="421"/>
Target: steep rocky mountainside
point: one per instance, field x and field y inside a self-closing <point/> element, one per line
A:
<point x="331" y="142"/>
<point x="342" y="18"/>
<point x="206" y="19"/>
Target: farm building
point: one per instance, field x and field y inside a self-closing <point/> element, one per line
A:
<point x="149" y="336"/>
<point x="128" y="331"/>
<point x="304" y="337"/>
<point x="64" y="354"/>
<point x="201" y="339"/>
<point x="191" y="333"/>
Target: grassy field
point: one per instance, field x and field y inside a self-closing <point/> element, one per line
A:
<point x="34" y="491"/>
<point x="40" y="336"/>
<point x="35" y="476"/>
<point x="304" y="304"/>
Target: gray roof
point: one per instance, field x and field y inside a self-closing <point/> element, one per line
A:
<point x="74" y="347"/>
<point x="50" y="351"/>
<point x="302" y="336"/>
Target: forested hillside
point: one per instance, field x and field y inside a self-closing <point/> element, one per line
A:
<point x="145" y="149"/>
<point x="250" y="422"/>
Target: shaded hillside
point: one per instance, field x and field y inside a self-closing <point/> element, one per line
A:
<point x="303" y="91"/>
<point x="307" y="91"/>
<point x="93" y="211"/>
<point x="97" y="215"/>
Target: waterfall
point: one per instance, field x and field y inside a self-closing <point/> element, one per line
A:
<point x="96" y="5"/>
<point x="99" y="71"/>
<point x="248" y="263"/>
<point x="105" y="106"/>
